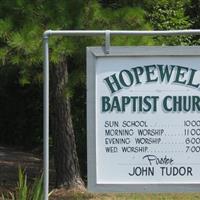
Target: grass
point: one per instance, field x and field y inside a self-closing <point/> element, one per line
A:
<point x="74" y="195"/>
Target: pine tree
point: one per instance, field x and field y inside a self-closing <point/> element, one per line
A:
<point x="169" y="15"/>
<point x="21" y="26"/>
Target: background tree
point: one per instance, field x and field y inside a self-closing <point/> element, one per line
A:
<point x="169" y="15"/>
<point x="192" y="11"/>
<point x="96" y="15"/>
<point x="21" y="45"/>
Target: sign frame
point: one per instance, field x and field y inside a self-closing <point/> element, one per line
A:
<point x="93" y="53"/>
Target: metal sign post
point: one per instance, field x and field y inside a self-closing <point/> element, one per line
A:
<point x="107" y="34"/>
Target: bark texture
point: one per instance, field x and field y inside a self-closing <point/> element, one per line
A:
<point x="66" y="159"/>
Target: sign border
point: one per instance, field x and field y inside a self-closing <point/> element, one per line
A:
<point x="92" y="55"/>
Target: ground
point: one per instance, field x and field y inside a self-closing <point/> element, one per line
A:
<point x="11" y="158"/>
<point x="62" y="194"/>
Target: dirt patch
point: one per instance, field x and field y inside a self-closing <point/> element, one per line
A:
<point x="11" y="159"/>
<point x="74" y="194"/>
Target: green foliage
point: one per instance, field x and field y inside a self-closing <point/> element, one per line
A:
<point x="37" y="189"/>
<point x="169" y="15"/>
<point x="22" y="185"/>
<point x="123" y="18"/>
<point x="115" y="4"/>
<point x="5" y="28"/>
<point x="27" y="21"/>
<point x="25" y="191"/>
<point x="193" y="10"/>
<point x="96" y="16"/>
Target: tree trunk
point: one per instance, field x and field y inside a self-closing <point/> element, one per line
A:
<point x="66" y="159"/>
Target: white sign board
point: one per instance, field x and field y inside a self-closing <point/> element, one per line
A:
<point x="143" y="119"/>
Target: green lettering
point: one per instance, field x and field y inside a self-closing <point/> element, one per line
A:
<point x="134" y="103"/>
<point x="177" y="103"/>
<point x="186" y="103"/>
<point x="105" y="103"/>
<point x="115" y="104"/>
<point x="165" y="103"/>
<point x="147" y="103"/>
<point x="138" y="71"/>
<point x="180" y="73"/>
<point x="150" y="71"/>
<point x="190" y="82"/>
<point x="165" y="73"/>
<point x="125" y="101"/>
<point x="113" y="85"/>
<point x="155" y="100"/>
<point x="196" y="103"/>
<point x="129" y="78"/>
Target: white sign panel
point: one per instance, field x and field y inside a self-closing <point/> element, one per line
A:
<point x="143" y="119"/>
